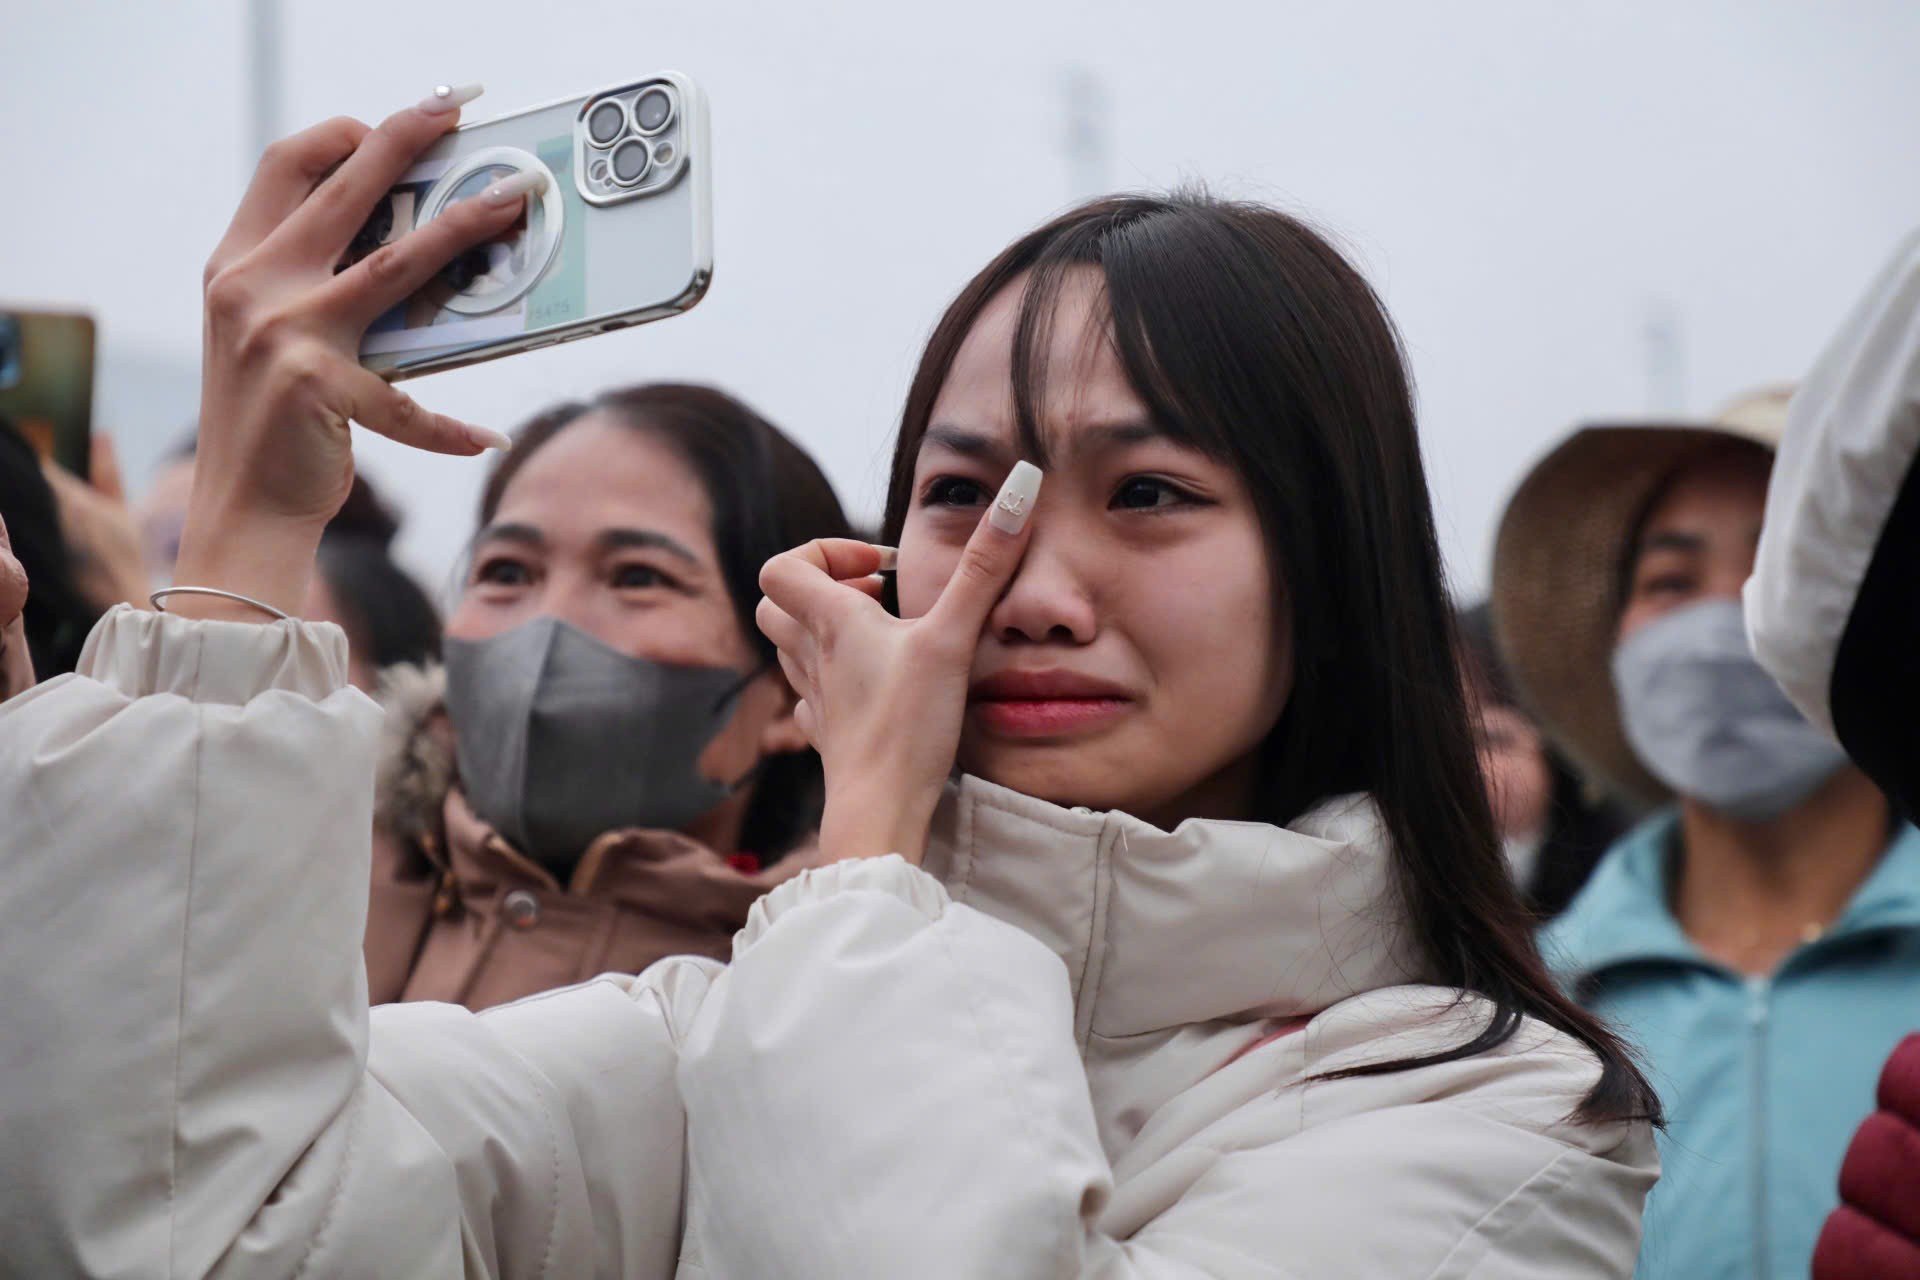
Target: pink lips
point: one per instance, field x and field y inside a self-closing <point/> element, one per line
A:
<point x="1045" y="704"/>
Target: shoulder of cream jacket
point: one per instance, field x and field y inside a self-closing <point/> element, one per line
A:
<point x="1073" y="1046"/>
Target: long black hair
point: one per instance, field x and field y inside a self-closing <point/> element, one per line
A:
<point x="1252" y="340"/>
<point x="768" y="495"/>
<point x="389" y="611"/>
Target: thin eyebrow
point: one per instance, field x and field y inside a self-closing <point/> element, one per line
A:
<point x="968" y="444"/>
<point x="511" y="532"/>
<point x="1092" y="438"/>
<point x="1671" y="540"/>
<point x="652" y="539"/>
<point x="608" y="540"/>
<point x="1119" y="435"/>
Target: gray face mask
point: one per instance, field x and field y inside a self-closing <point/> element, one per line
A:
<point x="1710" y="723"/>
<point x="561" y="738"/>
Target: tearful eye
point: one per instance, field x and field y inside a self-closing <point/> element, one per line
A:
<point x="954" y="491"/>
<point x="1143" y="493"/>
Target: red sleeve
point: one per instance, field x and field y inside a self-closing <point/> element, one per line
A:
<point x="1875" y="1233"/>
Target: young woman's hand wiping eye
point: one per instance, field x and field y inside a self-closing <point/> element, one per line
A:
<point x="883" y="698"/>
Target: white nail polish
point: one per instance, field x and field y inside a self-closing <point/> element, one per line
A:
<point x="515" y="185"/>
<point x="1015" y="503"/>
<point x="449" y="97"/>
<point x="489" y="439"/>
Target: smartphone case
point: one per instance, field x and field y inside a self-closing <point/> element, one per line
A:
<point x="595" y="254"/>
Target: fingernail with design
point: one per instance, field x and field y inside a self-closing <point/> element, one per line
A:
<point x="1017" y="495"/>
<point x="515" y="185"/>
<point x="449" y="97"/>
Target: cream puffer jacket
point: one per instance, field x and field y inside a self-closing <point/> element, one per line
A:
<point x="1074" y="1045"/>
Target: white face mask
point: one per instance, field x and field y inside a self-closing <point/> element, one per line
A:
<point x="1710" y="723"/>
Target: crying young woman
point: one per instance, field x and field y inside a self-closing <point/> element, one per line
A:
<point x="1158" y="925"/>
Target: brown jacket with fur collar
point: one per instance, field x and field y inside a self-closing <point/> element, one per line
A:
<point x="458" y="914"/>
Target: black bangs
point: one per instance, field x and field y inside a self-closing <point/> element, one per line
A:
<point x="1142" y="255"/>
<point x="1033" y="345"/>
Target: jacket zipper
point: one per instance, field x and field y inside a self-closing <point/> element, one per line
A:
<point x="1759" y="991"/>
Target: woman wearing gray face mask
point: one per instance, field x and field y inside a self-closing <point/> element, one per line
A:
<point x="608" y="772"/>
<point x="1741" y="933"/>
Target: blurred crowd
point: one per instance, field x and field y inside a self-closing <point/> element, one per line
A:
<point x="582" y="771"/>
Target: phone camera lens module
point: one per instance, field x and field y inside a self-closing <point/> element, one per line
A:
<point x="630" y="162"/>
<point x="663" y="153"/>
<point x="599" y="171"/>
<point x="605" y="123"/>
<point x="652" y="110"/>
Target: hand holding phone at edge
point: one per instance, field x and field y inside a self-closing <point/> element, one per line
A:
<point x="281" y="377"/>
<point x="16" y="664"/>
<point x="103" y="542"/>
<point x="883" y="698"/>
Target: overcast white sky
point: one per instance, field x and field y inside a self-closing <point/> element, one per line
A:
<point x="1532" y="187"/>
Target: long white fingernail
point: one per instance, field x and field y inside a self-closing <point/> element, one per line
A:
<point x="489" y="439"/>
<point x="449" y="97"/>
<point x="515" y="185"/>
<point x="889" y="557"/>
<point x="1015" y="503"/>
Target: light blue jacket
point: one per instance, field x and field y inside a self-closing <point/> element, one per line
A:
<point x="1764" y="1079"/>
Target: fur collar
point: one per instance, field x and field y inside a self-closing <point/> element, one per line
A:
<point x="415" y="768"/>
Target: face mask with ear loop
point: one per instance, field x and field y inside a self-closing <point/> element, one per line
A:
<point x="561" y="738"/>
<point x="1708" y="721"/>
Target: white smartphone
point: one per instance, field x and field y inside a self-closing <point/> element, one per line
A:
<point x="622" y="235"/>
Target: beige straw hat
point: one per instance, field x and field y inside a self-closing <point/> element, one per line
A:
<point x="1556" y="567"/>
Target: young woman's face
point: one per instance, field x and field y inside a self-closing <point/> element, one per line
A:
<point x="607" y="528"/>
<point x="1140" y="654"/>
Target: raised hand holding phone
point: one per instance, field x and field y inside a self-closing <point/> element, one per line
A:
<point x="620" y="234"/>
<point x="281" y="376"/>
<point x="883" y="698"/>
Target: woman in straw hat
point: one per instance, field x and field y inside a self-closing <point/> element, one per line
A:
<point x="1759" y="935"/>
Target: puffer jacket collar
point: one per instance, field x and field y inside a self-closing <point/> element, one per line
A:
<point x="1214" y="921"/>
<point x="415" y="767"/>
